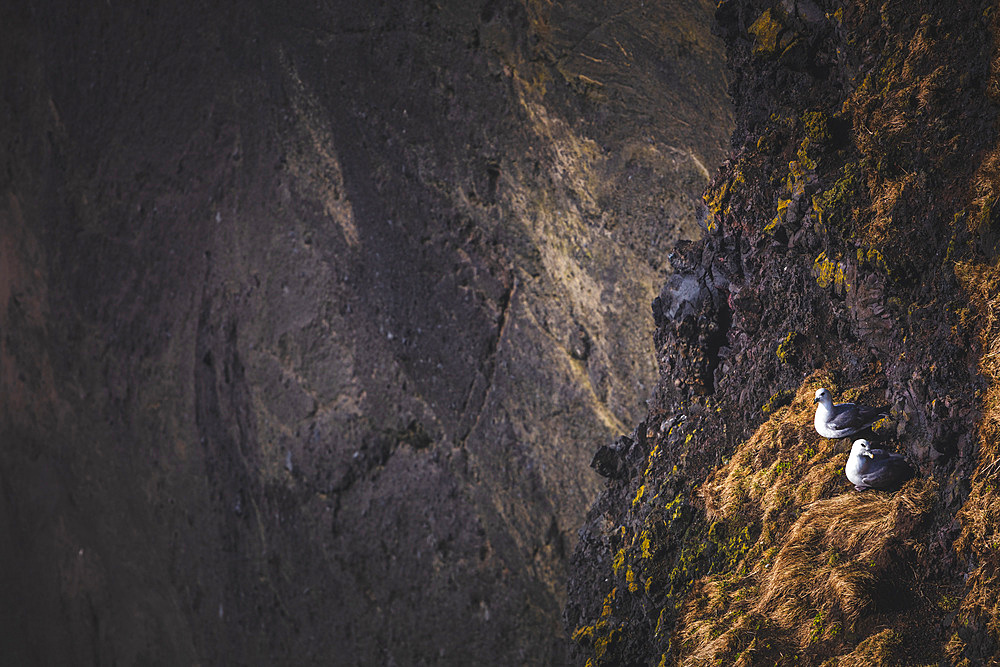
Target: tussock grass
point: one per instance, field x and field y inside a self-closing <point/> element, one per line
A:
<point x="784" y="460"/>
<point x="833" y="558"/>
<point x="880" y="650"/>
<point x="824" y="556"/>
<point x="892" y="109"/>
<point x="985" y="192"/>
<point x="979" y="541"/>
<point x="980" y="516"/>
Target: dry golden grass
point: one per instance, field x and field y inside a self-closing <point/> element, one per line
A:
<point x="879" y="650"/>
<point x="890" y="111"/>
<point x="985" y="190"/>
<point x="954" y="649"/>
<point x="824" y="577"/>
<point x="885" y="194"/>
<point x="834" y="555"/>
<point x="980" y="516"/>
<point x="986" y="182"/>
<point x="979" y="541"/>
<point x="747" y="484"/>
<point x="819" y="560"/>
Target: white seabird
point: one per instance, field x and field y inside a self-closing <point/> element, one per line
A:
<point x="843" y="419"/>
<point x="869" y="468"/>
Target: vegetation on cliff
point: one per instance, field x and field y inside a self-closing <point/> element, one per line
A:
<point x="852" y="244"/>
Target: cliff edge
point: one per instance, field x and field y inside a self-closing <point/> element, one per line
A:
<point x="851" y="244"/>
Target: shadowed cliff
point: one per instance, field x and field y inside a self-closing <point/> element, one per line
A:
<point x="312" y="316"/>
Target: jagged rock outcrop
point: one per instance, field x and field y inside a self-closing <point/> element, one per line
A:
<point x="851" y="244"/>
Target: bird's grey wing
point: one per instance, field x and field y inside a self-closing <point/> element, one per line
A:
<point x="890" y="473"/>
<point x="849" y="415"/>
<point x="843" y="416"/>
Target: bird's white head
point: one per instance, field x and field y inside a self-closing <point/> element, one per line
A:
<point x="823" y="397"/>
<point x="860" y="447"/>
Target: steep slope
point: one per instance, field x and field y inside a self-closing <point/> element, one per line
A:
<point x="310" y="312"/>
<point x="853" y="245"/>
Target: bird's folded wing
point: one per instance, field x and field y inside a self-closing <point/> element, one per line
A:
<point x="843" y="416"/>
<point x="886" y="475"/>
<point x="851" y="416"/>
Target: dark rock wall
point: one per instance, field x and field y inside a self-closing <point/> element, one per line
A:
<point x="311" y="316"/>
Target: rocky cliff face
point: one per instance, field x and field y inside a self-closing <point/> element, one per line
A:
<point x="852" y="245"/>
<point x="312" y="313"/>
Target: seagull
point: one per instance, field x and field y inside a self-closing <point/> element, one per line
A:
<point x="843" y="419"/>
<point x="875" y="468"/>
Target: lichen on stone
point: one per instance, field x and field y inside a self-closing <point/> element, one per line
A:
<point x="786" y="348"/>
<point x="829" y="273"/>
<point x="767" y="32"/>
<point x="777" y="400"/>
<point x="817" y="126"/>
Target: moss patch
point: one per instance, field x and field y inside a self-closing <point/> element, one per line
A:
<point x="786" y="348"/>
<point x="817" y="126"/>
<point x="778" y="400"/>
<point x="767" y="34"/>
<point x="829" y="273"/>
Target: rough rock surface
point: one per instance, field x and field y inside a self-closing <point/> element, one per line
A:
<point x="310" y="314"/>
<point x="852" y="244"/>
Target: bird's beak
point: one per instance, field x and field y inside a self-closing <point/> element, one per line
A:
<point x="815" y="400"/>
